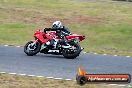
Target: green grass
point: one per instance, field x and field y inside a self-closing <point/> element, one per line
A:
<point x="116" y="39"/>
<point x="15" y="81"/>
<point x="106" y="24"/>
<point x="15" y="33"/>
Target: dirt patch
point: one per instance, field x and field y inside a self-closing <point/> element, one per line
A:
<point x="87" y="19"/>
<point x="77" y="19"/>
<point x="35" y="16"/>
<point x="47" y="21"/>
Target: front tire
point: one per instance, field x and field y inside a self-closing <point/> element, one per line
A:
<point x="72" y="55"/>
<point x="31" y="52"/>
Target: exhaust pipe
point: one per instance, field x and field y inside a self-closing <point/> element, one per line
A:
<point x="82" y="48"/>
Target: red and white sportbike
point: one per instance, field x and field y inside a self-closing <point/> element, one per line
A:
<point x="49" y="43"/>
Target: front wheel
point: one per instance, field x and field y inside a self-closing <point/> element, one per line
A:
<point x="30" y="49"/>
<point x="72" y="53"/>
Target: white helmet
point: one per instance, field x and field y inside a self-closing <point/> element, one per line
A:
<point x="57" y="24"/>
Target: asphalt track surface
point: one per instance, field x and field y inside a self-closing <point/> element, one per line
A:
<point x="13" y="59"/>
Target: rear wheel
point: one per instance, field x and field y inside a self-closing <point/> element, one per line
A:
<point x="72" y="53"/>
<point x="30" y="49"/>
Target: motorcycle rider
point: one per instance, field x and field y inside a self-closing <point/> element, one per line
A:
<point x="61" y="31"/>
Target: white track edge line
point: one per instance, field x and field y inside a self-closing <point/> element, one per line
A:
<point x="115" y="55"/>
<point x="68" y="79"/>
<point x="104" y="54"/>
<point x="40" y="76"/>
<point x="2" y="72"/>
<point x="31" y="75"/>
<point x="50" y="77"/>
<point x="12" y="73"/>
<point x="83" y="52"/>
<point x="18" y="46"/>
<point x="22" y="74"/>
<point x="59" y="78"/>
<point x="6" y="45"/>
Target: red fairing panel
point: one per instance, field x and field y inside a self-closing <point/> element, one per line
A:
<point x="42" y="37"/>
<point x="81" y="37"/>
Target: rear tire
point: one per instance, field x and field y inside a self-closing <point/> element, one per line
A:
<point x="32" y="52"/>
<point x="72" y="55"/>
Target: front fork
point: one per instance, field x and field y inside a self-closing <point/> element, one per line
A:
<point x="34" y="43"/>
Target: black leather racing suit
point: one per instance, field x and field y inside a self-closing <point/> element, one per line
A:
<point x="60" y="32"/>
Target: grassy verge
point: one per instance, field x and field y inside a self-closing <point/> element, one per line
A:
<point x="106" y="24"/>
<point x="15" y="81"/>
